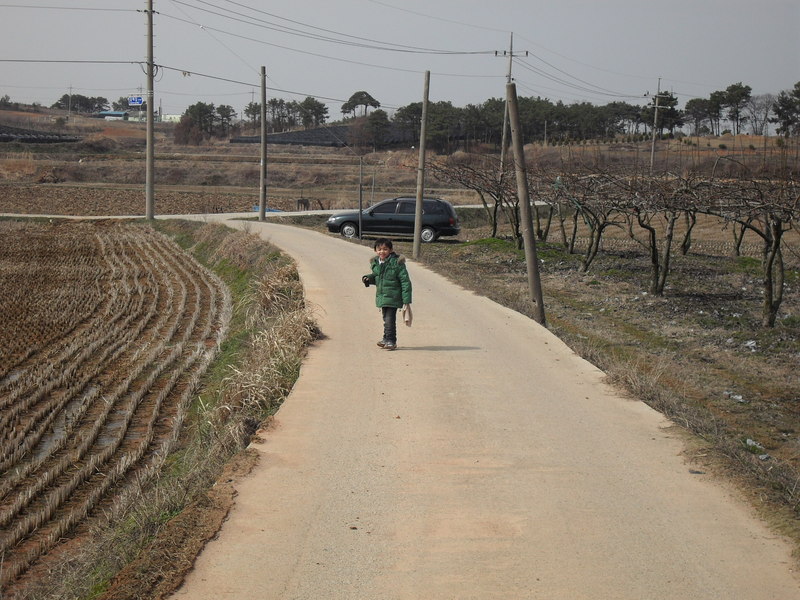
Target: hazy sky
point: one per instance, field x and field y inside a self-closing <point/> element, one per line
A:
<point x="594" y="51"/>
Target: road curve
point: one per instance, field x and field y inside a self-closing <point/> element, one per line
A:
<point x="482" y="459"/>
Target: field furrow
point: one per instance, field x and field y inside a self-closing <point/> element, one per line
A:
<point x="85" y="411"/>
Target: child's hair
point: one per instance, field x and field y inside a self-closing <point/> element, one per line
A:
<point x="382" y="242"/>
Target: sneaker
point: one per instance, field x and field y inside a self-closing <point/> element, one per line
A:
<point x="382" y="343"/>
<point x="389" y="346"/>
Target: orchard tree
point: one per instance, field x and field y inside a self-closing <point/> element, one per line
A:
<point x="482" y="174"/>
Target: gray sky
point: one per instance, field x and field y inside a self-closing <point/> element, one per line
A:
<point x="595" y="51"/>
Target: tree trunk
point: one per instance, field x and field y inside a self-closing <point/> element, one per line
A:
<point x="666" y="251"/>
<point x="773" y="274"/>
<point x="652" y="250"/>
<point x="738" y="236"/>
<point x="561" y="218"/>
<point x="691" y="221"/>
<point x="547" y="223"/>
<point x="574" y="235"/>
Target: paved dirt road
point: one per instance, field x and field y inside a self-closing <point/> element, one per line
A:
<point x="482" y="459"/>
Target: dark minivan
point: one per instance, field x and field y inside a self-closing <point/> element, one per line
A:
<point x="396" y="217"/>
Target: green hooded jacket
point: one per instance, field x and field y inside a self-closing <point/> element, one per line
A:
<point x="391" y="280"/>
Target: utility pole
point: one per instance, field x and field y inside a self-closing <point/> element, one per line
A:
<point x="531" y="259"/>
<point x="421" y="168"/>
<point x="150" y="155"/>
<point x="503" y="138"/>
<point x="360" y="192"/>
<point x="655" y="123"/>
<point x="262" y="190"/>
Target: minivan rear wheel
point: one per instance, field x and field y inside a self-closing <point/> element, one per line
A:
<point x="349" y="230"/>
<point x="428" y="234"/>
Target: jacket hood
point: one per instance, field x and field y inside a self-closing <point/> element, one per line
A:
<point x="399" y="257"/>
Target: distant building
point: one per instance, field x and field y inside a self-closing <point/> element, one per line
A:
<point x="113" y="115"/>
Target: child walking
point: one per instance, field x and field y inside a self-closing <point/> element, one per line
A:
<point x="392" y="288"/>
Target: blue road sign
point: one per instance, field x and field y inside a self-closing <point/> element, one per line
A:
<point x="135" y="101"/>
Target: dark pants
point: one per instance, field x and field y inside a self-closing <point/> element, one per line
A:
<point x="390" y="324"/>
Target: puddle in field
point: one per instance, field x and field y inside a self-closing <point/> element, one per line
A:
<point x="63" y="424"/>
<point x="11" y="377"/>
<point x="116" y="421"/>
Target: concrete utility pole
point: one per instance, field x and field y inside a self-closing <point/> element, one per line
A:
<point x="262" y="190"/>
<point x="504" y="137"/>
<point x="360" y="193"/>
<point x="655" y="124"/>
<point x="150" y="154"/>
<point x="421" y="168"/>
<point x="531" y="260"/>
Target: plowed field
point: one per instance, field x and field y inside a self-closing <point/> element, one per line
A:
<point x="106" y="329"/>
<point x="33" y="199"/>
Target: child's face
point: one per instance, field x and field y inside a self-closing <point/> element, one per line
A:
<point x="383" y="251"/>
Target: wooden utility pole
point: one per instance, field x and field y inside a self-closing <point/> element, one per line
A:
<point x="421" y="168"/>
<point x="149" y="187"/>
<point x="531" y="260"/>
<point x="655" y="124"/>
<point x="262" y="189"/>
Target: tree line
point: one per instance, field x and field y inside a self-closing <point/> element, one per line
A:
<point x="734" y="109"/>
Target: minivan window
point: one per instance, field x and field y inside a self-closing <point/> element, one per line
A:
<point x="433" y="208"/>
<point x="407" y="208"/>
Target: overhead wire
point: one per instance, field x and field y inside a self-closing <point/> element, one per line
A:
<point x="220" y="42"/>
<point x="373" y="45"/>
<point x="582" y="88"/>
<point x="69" y="8"/>
<point x="339" y="38"/>
<point x="318" y="55"/>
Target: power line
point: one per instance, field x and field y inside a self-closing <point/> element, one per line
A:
<point x="69" y="8"/>
<point x="583" y="88"/>
<point x="426" y="16"/>
<point x="91" y="62"/>
<point x="315" y="54"/>
<point x="246" y="83"/>
<point x="358" y="44"/>
<point x="228" y="48"/>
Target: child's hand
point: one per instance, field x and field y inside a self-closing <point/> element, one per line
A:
<point x="365" y="281"/>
